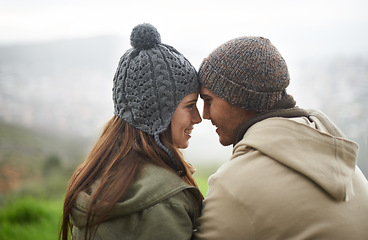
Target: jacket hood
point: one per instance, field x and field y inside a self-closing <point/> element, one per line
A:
<point x="312" y="146"/>
<point x="153" y="185"/>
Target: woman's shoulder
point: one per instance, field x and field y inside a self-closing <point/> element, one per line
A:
<point x="154" y="184"/>
<point x="159" y="180"/>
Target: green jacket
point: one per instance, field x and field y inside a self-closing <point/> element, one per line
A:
<point x="158" y="205"/>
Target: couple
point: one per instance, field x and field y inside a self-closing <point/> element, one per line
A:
<point x="292" y="175"/>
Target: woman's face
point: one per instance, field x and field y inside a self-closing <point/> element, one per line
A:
<point x="185" y="116"/>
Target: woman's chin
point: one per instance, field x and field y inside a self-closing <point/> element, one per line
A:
<point x="183" y="145"/>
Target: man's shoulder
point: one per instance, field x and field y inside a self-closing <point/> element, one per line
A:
<point x="249" y="172"/>
<point x="239" y="169"/>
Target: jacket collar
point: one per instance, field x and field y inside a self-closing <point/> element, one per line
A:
<point x="285" y="113"/>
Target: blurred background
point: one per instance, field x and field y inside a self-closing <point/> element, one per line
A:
<point x="58" y="59"/>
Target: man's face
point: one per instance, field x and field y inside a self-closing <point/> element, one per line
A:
<point x="226" y="117"/>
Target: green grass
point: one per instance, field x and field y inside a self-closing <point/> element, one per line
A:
<point x="28" y="218"/>
<point x="202" y="184"/>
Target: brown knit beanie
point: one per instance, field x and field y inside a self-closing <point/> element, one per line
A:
<point x="248" y="72"/>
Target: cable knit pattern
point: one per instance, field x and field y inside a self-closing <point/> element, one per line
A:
<point x="150" y="82"/>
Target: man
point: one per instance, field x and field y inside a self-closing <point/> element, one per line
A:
<point x="293" y="174"/>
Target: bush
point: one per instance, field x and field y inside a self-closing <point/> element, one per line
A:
<point x="52" y="163"/>
<point x="30" y="218"/>
<point x="22" y="211"/>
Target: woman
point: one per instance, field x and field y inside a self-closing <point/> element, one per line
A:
<point x="134" y="183"/>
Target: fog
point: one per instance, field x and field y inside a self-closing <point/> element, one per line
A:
<point x="57" y="60"/>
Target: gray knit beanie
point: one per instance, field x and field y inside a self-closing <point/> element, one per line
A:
<point x="151" y="80"/>
<point x="248" y="72"/>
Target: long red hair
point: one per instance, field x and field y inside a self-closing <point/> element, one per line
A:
<point x="115" y="160"/>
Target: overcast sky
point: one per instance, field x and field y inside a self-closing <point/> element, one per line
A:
<point x="296" y="27"/>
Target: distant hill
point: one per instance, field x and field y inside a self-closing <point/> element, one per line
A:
<point x="63" y="86"/>
<point x="27" y="154"/>
<point x="19" y="144"/>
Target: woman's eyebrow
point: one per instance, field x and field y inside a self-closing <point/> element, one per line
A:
<point x="192" y="101"/>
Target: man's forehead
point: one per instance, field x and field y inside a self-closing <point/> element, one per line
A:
<point x="205" y="92"/>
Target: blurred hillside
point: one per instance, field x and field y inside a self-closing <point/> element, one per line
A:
<point x="64" y="88"/>
<point x="31" y="159"/>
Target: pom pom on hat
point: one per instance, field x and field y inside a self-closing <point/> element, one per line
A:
<point x="144" y="36"/>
